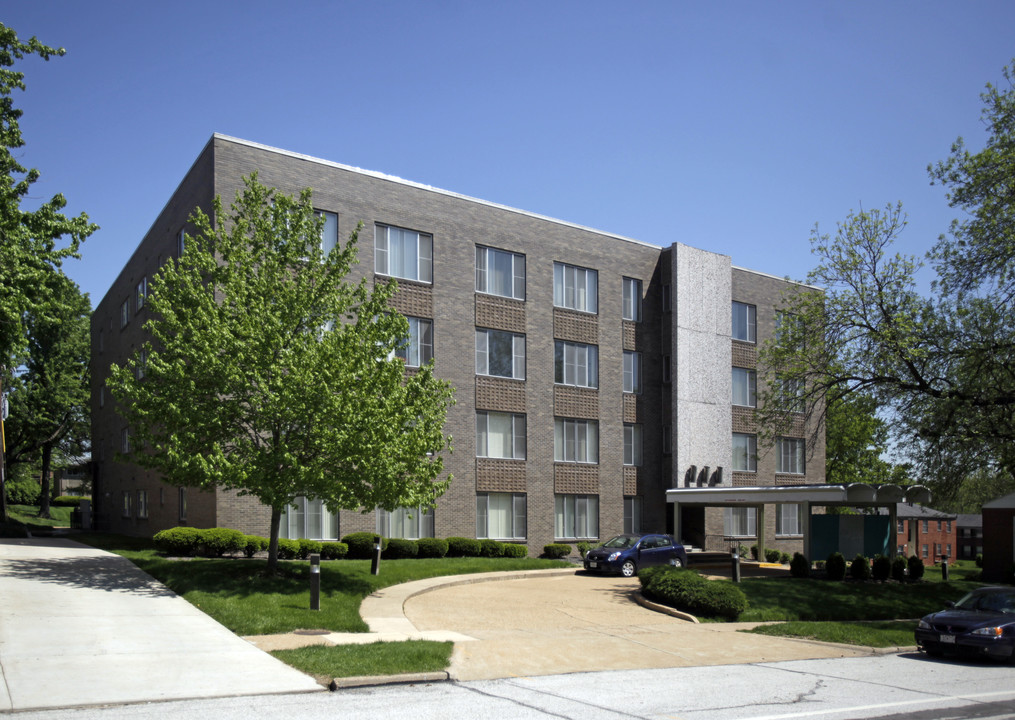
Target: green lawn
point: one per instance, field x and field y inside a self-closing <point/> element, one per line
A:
<point x="888" y="633"/>
<point x="26" y="515"/>
<point x="381" y="658"/>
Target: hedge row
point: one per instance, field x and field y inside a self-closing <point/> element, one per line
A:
<point x="879" y="569"/>
<point x="686" y="590"/>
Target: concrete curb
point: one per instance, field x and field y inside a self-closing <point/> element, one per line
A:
<point x="665" y="609"/>
<point x="375" y="680"/>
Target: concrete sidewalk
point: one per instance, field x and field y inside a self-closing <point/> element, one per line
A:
<point x="79" y="626"/>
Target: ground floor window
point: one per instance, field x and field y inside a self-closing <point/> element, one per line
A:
<point x="308" y="519"/>
<point x="740" y="522"/>
<point x="183" y="503"/>
<point x="126" y="504"/>
<point x="923" y="551"/>
<point x="789" y="519"/>
<point x="408" y="523"/>
<point x="142" y="504"/>
<point x="576" y="517"/>
<point x="501" y="516"/>
<point x="632" y="514"/>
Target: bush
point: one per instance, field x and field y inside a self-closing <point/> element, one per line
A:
<point x="835" y="566"/>
<point x="513" y="550"/>
<point x="899" y="569"/>
<point x="431" y="548"/>
<point x="688" y="591"/>
<point x="463" y="547"/>
<point x="288" y="549"/>
<point x="772" y="556"/>
<point x="799" y="567"/>
<point x="583" y="548"/>
<point x="784" y="558"/>
<point x="979" y="560"/>
<point x="23" y="491"/>
<point x="219" y="541"/>
<point x="253" y="544"/>
<point x="334" y="550"/>
<point x="646" y="575"/>
<point x="308" y="547"/>
<point x="361" y="545"/>
<point x="860" y="569"/>
<point x="179" y="541"/>
<point x="555" y="551"/>
<point x="491" y="548"/>
<point x="881" y="568"/>
<point x="400" y="549"/>
<point x="915" y="566"/>
<point x="67" y="501"/>
<point x="754" y="552"/>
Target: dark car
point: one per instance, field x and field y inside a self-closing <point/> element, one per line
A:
<point x="980" y="624"/>
<point x="626" y="554"/>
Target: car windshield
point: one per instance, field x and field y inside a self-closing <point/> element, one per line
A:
<point x="1000" y="601"/>
<point x="621" y="542"/>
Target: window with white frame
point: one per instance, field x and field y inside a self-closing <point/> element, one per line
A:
<point x="575" y="364"/>
<point x="181" y="242"/>
<point x="501" y="516"/>
<point x="632" y="514"/>
<point x="408" y="523"/>
<point x="745" y="387"/>
<point x="142" y="504"/>
<point x="632" y="444"/>
<point x="740" y="522"/>
<point x="632" y="371"/>
<point x="500" y="435"/>
<point x="745" y="322"/>
<point x="789" y="519"/>
<point x="632" y="299"/>
<point x="791" y="394"/>
<point x="575" y="440"/>
<point x="576" y="517"/>
<point x="418" y="347"/>
<point x="402" y="253"/>
<point x="125" y="511"/>
<point x="500" y="354"/>
<point x="576" y="288"/>
<point x="124" y="313"/>
<point x="745" y="452"/>
<point x="329" y="232"/>
<point x="182" y="503"/>
<point x="309" y="519"/>
<point x="141" y="368"/>
<point x="140" y="294"/>
<point x="499" y="272"/>
<point x="790" y="456"/>
<point x="789" y="329"/>
<point x="125" y="440"/>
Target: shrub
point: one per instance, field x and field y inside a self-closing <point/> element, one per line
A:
<point x="556" y="551"/>
<point x="646" y="575"/>
<point x="915" y="566"/>
<point x="67" y="501"/>
<point x="334" y="550"/>
<point x="860" y="569"/>
<point x="23" y="491"/>
<point x="687" y="590"/>
<point x="899" y="568"/>
<point x="979" y="560"/>
<point x="308" y="547"/>
<point x="361" y="545"/>
<point x="219" y="541"/>
<point x="463" y="547"/>
<point x="583" y="548"/>
<point x="431" y="548"/>
<point x="754" y="552"/>
<point x="772" y="556"/>
<point x="513" y="550"/>
<point x="784" y="558"/>
<point x="491" y="548"/>
<point x="400" y="549"/>
<point x="799" y="567"/>
<point x="253" y="544"/>
<point x="288" y="549"/>
<point x="835" y="566"/>
<point x="180" y="541"/>
<point x="881" y="568"/>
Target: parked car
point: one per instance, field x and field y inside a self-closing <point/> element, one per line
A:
<point x="625" y="554"/>
<point x="981" y="624"/>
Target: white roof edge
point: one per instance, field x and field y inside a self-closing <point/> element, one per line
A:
<point x="429" y="188"/>
<point x="776" y="277"/>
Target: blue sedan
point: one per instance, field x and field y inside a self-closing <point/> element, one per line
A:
<point x="982" y="623"/>
<point x="626" y="554"/>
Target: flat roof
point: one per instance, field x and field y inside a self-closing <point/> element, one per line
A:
<point x="854" y="495"/>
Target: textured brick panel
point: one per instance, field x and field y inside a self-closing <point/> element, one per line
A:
<point x="573" y="402"/>
<point x="500" y="394"/>
<point x="500" y="475"/>
<point x="500" y="313"/>
<point x="575" y="326"/>
<point x="630" y="330"/>
<point x="742" y="479"/>
<point x="745" y="355"/>
<point x="781" y="479"/>
<point x="630" y="481"/>
<point x="744" y="420"/>
<point x="631" y="405"/>
<point x="412" y="299"/>
<point x="572" y="478"/>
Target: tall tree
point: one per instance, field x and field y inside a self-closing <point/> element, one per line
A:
<point x="857" y="443"/>
<point x="272" y="374"/>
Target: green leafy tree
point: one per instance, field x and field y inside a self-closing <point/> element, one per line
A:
<point x="271" y="374"/>
<point x="857" y="444"/>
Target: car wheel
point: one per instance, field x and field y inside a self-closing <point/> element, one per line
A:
<point x="629" y="569"/>
<point x="676" y="562"/>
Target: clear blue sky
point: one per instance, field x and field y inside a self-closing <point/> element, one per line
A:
<point x="729" y="126"/>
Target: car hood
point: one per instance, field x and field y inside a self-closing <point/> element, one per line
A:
<point x="957" y="621"/>
<point x="600" y="553"/>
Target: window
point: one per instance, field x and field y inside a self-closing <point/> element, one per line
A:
<point x="745" y="387"/>
<point x="632" y="514"/>
<point x="499" y="272"/>
<point x="181" y="242"/>
<point x="142" y="504"/>
<point x="926" y="529"/>
<point x="500" y="516"/>
<point x="923" y="551"/>
<point x="575" y="440"/>
<point x="308" y="519"/>
<point x="666" y="369"/>
<point x="900" y="527"/>
<point x="329" y="233"/>
<point x="939" y="526"/>
<point x="126" y="504"/>
<point x="744" y="322"/>
<point x="632" y="372"/>
<point x="632" y="299"/>
<point x="948" y="526"/>
<point x="949" y="552"/>
<point x="667" y="302"/>
<point x="791" y="394"/>
<point x="403" y="253"/>
<point x="632" y="444"/>
<point x="408" y="523"/>
<point x="125" y="440"/>
<point x="576" y="517"/>
<point x="182" y="495"/>
<point x="740" y="522"/>
<point x="575" y="288"/>
<point x="789" y="329"/>
<point x="141" y="294"/>
<point x="501" y="354"/>
<point x="575" y="364"/>
<point x="500" y="435"/>
<point x="789" y="520"/>
<point x="124" y="313"/>
<point x="418" y="348"/>
<point x="790" y="456"/>
<point x="142" y="364"/>
<point x="745" y="452"/>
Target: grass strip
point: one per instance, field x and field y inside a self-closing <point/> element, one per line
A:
<point x="891" y="633"/>
<point x="380" y="658"/>
<point x="26" y="515"/>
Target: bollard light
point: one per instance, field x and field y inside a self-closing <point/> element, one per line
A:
<point x="735" y="557"/>
<point x="315" y="581"/>
<point x="375" y="563"/>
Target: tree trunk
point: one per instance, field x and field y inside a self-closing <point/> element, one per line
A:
<point x="276" y="521"/>
<point x="47" y="457"/>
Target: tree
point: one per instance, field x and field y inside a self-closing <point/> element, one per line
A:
<point x="272" y="374"/>
<point x="857" y="442"/>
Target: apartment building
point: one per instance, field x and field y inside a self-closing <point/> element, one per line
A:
<point x="592" y="371"/>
